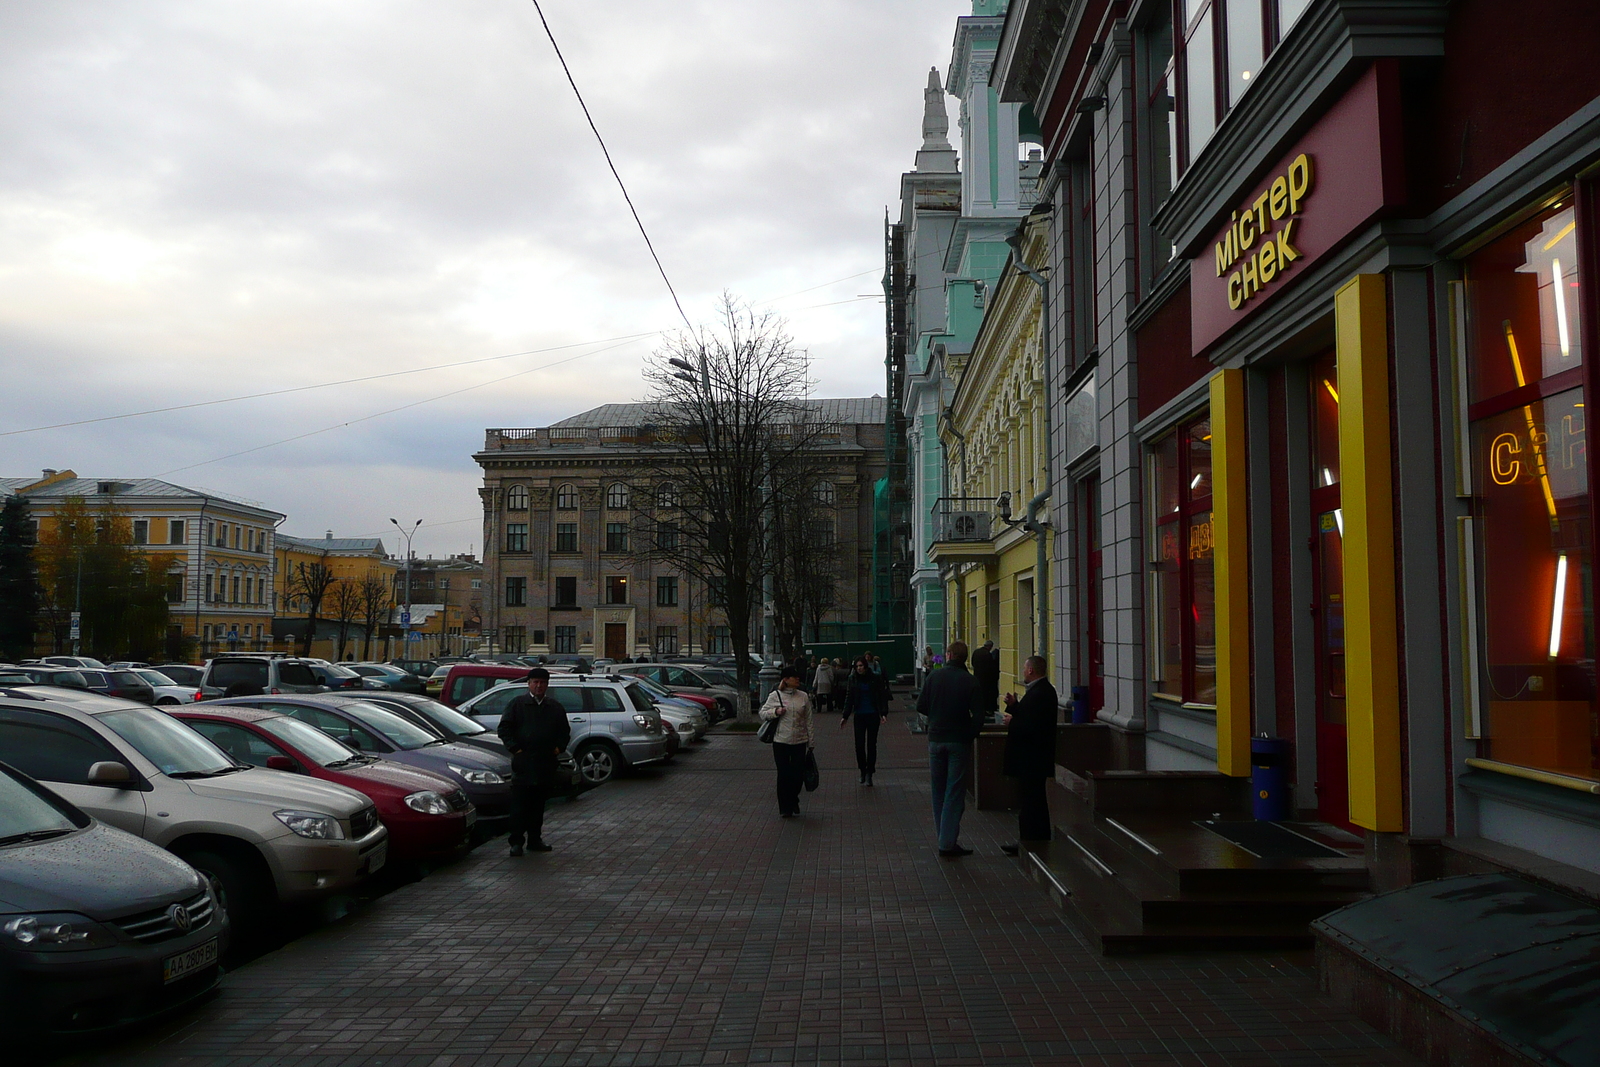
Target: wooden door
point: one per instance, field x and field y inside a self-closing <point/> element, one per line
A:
<point x="616" y="640"/>
<point x="1327" y="551"/>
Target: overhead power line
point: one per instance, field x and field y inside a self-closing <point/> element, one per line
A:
<point x="607" y="153"/>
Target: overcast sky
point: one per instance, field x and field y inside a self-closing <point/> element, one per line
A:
<point x="206" y="198"/>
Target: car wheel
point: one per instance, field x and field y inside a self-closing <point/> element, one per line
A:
<point x="725" y="709"/>
<point x="239" y="894"/>
<point x="596" y="762"/>
<point x="166" y="702"/>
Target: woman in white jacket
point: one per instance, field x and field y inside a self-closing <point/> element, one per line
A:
<point x="791" y="706"/>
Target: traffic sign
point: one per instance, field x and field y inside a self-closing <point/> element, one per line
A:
<point x="77" y="625"/>
<point x="233" y="634"/>
<point x="405" y="616"/>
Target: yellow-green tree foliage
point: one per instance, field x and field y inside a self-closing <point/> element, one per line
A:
<point x="86" y="557"/>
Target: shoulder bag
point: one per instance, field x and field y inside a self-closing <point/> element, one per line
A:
<point x="766" y="731"/>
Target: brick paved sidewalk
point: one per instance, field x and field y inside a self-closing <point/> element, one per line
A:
<point x="680" y="921"/>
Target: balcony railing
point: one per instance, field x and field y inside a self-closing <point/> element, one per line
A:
<point x="963" y="518"/>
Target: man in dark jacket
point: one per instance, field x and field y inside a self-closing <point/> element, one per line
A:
<point x="1031" y="751"/>
<point x="535" y="729"/>
<point x="949" y="700"/>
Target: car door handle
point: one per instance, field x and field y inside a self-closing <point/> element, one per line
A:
<point x="577" y="718"/>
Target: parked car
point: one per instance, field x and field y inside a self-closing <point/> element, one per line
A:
<point x="126" y="664"/>
<point x="463" y="681"/>
<point x="421" y="668"/>
<point x="682" y="707"/>
<point x="393" y="678"/>
<point x="73" y="661"/>
<point x="337" y="677"/>
<point x="125" y="684"/>
<point x="97" y="927"/>
<point x="427" y="815"/>
<point x="270" y="674"/>
<point x="570" y="660"/>
<point x="263" y="837"/>
<point x="43" y="674"/>
<point x="10" y="675"/>
<point x="681" y="678"/>
<point x="167" y="691"/>
<point x="451" y="725"/>
<point x="376" y="731"/>
<point x="433" y="685"/>
<point x="614" y="722"/>
<point x="182" y="673"/>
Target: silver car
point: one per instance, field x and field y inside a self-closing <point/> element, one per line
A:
<point x="614" y="722"/>
<point x="687" y="678"/>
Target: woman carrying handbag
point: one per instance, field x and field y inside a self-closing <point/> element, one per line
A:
<point x="790" y="705"/>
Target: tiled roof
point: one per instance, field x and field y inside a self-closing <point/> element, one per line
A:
<point x="848" y="411"/>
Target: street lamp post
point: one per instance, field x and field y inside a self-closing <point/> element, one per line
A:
<point x="405" y="614"/>
<point x="77" y="593"/>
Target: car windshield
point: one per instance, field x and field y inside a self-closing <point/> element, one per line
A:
<point x="719" y="678"/>
<point x="659" y="692"/>
<point x="340" y="672"/>
<point x="312" y="742"/>
<point x="395" y="729"/>
<point x="641" y="699"/>
<point x="70" y="679"/>
<point x="155" y="678"/>
<point x="447" y="717"/>
<point x="175" y="749"/>
<point x="26" y="815"/>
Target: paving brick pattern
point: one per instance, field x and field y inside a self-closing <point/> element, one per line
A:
<point x="681" y="921"/>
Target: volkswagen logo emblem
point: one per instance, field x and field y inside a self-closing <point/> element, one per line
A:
<point x="180" y="917"/>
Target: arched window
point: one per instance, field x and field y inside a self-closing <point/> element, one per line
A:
<point x="824" y="493"/>
<point x="567" y="498"/>
<point x="517" y="498"/>
<point x="667" y="495"/>
<point x="617" y="497"/>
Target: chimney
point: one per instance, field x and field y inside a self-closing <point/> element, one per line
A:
<point x="49" y="472"/>
<point x="330" y="535"/>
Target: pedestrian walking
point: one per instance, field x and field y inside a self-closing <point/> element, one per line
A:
<point x="822" y="685"/>
<point x="949" y="700"/>
<point x="841" y="678"/>
<point x="986" y="671"/>
<point x="926" y="666"/>
<point x="791" y="706"/>
<point x="1030" y="755"/>
<point x="867" y="698"/>
<point x="534" y="728"/>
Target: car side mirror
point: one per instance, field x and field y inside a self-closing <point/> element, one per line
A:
<point x="280" y="763"/>
<point x="109" y="772"/>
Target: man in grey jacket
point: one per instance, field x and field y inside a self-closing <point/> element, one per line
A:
<point x="949" y="699"/>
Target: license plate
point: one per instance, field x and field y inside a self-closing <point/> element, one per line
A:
<point x="379" y="856"/>
<point x="175" y="967"/>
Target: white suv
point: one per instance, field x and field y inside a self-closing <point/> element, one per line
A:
<point x="614" y="722"/>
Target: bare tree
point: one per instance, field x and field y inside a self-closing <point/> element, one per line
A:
<point x="377" y="604"/>
<point x="308" y="583"/>
<point x="346" y="607"/>
<point x="731" y="434"/>
<point x="805" y="571"/>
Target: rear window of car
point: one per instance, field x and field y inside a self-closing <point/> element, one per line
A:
<point x="603" y="699"/>
<point x="238" y="672"/>
<point x="125" y="679"/>
<point x="641" y="699"/>
<point x="296" y="674"/>
<point x="95" y="679"/>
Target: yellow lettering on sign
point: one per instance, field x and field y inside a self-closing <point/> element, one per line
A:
<point x="1502" y="468"/>
<point x="1279" y="203"/>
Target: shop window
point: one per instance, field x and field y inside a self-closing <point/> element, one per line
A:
<point x="1532" y="511"/>
<point x="566" y="593"/>
<point x="616" y="537"/>
<point x="616" y="589"/>
<point x="667" y="592"/>
<point x="617" y="497"/>
<point x="516" y="592"/>
<point x="516" y="537"/>
<point x="1183" y="608"/>
<point x="566" y="639"/>
<point x="567" y="498"/>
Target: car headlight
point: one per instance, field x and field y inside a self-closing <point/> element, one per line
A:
<point x="54" y="931"/>
<point x="476" y="775"/>
<point x="312" y="824"/>
<point x="428" y="802"/>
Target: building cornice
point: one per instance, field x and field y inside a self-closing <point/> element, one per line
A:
<point x="971" y="32"/>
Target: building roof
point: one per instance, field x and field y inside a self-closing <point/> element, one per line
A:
<point x="364" y="545"/>
<point x="125" y="487"/>
<point x="845" y="410"/>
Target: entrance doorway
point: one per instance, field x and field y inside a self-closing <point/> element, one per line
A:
<point x="1327" y="590"/>
<point x="616" y="640"/>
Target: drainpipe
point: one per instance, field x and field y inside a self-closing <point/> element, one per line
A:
<point x="1032" y="522"/>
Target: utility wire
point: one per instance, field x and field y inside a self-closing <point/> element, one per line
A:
<point x="328" y="385"/>
<point x="391" y="411"/>
<point x="607" y="153"/>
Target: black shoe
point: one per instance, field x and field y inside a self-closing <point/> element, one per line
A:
<point x="957" y="851"/>
<point x="863" y="779"/>
<point x="540" y="846"/>
<point x="869" y="777"/>
<point x="516" y="850"/>
<point x="1012" y="849"/>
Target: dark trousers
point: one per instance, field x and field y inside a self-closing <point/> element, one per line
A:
<point x="791" y="761"/>
<point x="527" y="809"/>
<point x="1033" y="817"/>
<point x="867" y="742"/>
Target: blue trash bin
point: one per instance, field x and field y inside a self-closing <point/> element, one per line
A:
<point x="1269" y="779"/>
<point x="1080" y="705"/>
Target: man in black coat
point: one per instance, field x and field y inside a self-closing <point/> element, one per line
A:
<point x="535" y="729"/>
<point x="948" y="699"/>
<point x="1031" y="751"/>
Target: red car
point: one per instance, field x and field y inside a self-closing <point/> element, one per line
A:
<point x="427" y="815"/>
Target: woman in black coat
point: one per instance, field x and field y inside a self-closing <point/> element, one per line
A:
<point x="866" y="697"/>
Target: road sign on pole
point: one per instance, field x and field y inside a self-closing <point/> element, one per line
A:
<point x="405" y="616"/>
<point x="77" y="625"/>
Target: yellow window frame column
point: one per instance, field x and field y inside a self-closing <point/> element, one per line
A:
<point x="1230" y="527"/>
<point x="1366" y="496"/>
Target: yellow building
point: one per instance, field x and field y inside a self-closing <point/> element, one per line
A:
<point x="221" y="578"/>
<point x="360" y="584"/>
<point x="996" y="578"/>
